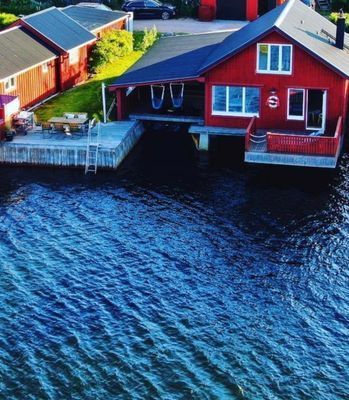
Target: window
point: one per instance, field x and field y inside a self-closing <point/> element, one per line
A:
<point x="274" y="58"/>
<point x="295" y="109"/>
<point x="44" y="68"/>
<point x="235" y="101"/>
<point x="10" y="84"/>
<point x="74" y="56"/>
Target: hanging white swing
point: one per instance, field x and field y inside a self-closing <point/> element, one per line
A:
<point x="177" y="94"/>
<point x="157" y="96"/>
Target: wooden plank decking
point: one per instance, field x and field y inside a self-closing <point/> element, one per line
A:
<point x="216" y="131"/>
<point x="116" y="141"/>
<point x="167" y="118"/>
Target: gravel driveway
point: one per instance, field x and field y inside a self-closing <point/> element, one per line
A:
<point x="188" y="25"/>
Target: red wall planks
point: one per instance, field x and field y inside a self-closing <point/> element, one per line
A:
<point x="308" y="72"/>
<point x="34" y="85"/>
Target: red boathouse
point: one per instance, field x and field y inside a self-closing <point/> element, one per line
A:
<point x="282" y="82"/>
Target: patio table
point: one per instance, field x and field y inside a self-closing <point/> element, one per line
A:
<point x="68" y="121"/>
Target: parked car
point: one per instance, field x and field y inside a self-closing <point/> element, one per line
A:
<point x="149" y="9"/>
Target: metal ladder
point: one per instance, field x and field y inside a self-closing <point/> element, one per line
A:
<point x="92" y="149"/>
<point x="324" y="5"/>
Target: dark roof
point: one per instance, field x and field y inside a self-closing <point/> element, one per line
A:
<point x="59" y="28"/>
<point x="190" y="56"/>
<point x="299" y="23"/>
<point x="171" y="58"/>
<point x="20" y="51"/>
<point x="92" y="18"/>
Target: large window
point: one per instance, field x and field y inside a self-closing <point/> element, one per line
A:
<point x="274" y="58"/>
<point x="235" y="101"/>
<point x="295" y="109"/>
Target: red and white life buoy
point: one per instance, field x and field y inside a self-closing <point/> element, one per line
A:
<point x="273" y="101"/>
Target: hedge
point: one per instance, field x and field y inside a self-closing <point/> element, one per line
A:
<point x="6" y="19"/>
<point x="333" y="18"/>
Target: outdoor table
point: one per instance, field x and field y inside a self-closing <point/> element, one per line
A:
<point x="68" y="121"/>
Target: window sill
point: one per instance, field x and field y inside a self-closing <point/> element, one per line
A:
<point x="274" y="72"/>
<point x="225" y="114"/>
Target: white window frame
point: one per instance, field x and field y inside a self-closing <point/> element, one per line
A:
<point x="295" y="117"/>
<point x="8" y="85"/>
<point x="44" y="68"/>
<point x="74" y="56"/>
<point x="279" y="71"/>
<point x="233" y="113"/>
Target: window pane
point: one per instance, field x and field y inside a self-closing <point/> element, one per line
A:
<point x="263" y="57"/>
<point x="274" y="58"/>
<point x="252" y="100"/>
<point x="286" y="58"/>
<point x="235" y="99"/>
<point x="219" y="98"/>
<point x="295" y="103"/>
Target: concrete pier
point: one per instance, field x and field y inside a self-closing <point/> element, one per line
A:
<point x="116" y="141"/>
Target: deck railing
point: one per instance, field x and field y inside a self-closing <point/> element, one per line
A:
<point x="312" y="145"/>
<point x="250" y="132"/>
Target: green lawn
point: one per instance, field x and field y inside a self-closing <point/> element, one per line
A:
<point x="86" y="97"/>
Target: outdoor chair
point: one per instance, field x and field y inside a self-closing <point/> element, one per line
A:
<point x="47" y="130"/>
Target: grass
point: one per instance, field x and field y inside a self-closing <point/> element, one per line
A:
<point x="87" y="97"/>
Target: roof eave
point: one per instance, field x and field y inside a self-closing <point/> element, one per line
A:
<point x="116" y="86"/>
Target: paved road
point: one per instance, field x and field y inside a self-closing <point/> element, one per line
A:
<point x="188" y="25"/>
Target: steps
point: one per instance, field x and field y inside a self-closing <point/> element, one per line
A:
<point x="92" y="149"/>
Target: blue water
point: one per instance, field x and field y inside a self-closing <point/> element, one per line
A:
<point x="178" y="277"/>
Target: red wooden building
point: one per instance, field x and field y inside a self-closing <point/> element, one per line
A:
<point x="282" y="81"/>
<point x="27" y="67"/>
<point x="69" y="33"/>
<point x="240" y="9"/>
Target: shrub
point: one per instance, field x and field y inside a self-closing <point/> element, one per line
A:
<point x="333" y="18"/>
<point x="18" y="7"/>
<point x="114" y="44"/>
<point x="142" y="41"/>
<point x="6" y="19"/>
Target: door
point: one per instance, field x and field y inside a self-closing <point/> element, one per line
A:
<point x="228" y="9"/>
<point x="316" y="109"/>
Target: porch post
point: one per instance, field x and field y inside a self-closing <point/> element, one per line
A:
<point x="120" y="104"/>
<point x="204" y="140"/>
<point x="251" y="9"/>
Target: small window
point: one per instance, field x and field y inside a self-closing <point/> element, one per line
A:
<point x="235" y="101"/>
<point x="44" y="68"/>
<point x="10" y="84"/>
<point x="274" y="58"/>
<point x="295" y="109"/>
<point x="74" y="56"/>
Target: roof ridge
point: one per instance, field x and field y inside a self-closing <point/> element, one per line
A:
<point x="38" y="12"/>
<point x="74" y="20"/>
<point x="10" y="29"/>
<point x="284" y="12"/>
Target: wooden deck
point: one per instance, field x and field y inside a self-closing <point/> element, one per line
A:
<point x="116" y="141"/>
<point x="216" y="131"/>
<point x="167" y="118"/>
<point x="258" y="153"/>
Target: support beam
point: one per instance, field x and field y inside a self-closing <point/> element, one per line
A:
<point x="120" y="104"/>
<point x="204" y="142"/>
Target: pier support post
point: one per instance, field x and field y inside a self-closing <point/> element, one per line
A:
<point x="204" y="142"/>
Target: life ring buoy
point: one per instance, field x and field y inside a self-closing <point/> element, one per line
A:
<point x="273" y="101"/>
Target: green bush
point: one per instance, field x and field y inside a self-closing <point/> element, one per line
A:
<point x="142" y="41"/>
<point x="333" y="18"/>
<point x="6" y="19"/>
<point x="114" y="44"/>
<point x="18" y="7"/>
